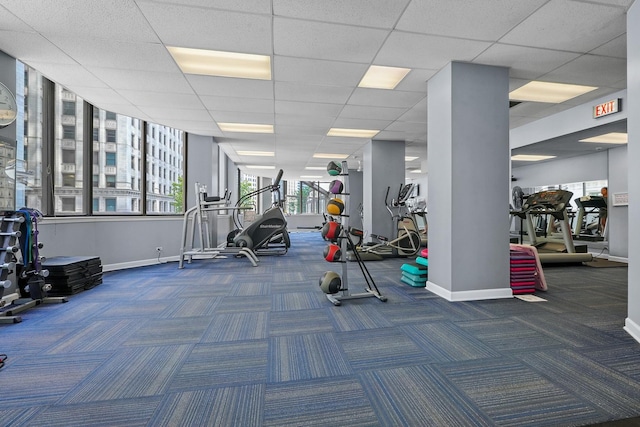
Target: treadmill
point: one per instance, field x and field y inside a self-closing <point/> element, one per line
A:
<point x="589" y="205"/>
<point x="554" y="203"/>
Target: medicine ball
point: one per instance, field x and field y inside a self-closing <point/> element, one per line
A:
<point x="332" y="253"/>
<point x="335" y="206"/>
<point x="330" y="282"/>
<point x="336" y="187"/>
<point x="331" y="230"/>
<point x="334" y="168"/>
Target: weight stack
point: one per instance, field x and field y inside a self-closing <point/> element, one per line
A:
<point x="69" y="275"/>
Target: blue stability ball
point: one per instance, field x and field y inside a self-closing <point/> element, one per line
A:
<point x="334" y="168"/>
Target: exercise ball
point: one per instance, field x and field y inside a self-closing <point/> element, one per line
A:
<point x="332" y="253"/>
<point x="336" y="187"/>
<point x="334" y="168"/>
<point x="330" y="282"/>
<point x="331" y="231"/>
<point x="335" y="206"/>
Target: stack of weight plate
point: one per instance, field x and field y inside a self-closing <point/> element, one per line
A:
<point x="69" y="275"/>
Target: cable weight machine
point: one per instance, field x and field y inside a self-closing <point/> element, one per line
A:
<point x="336" y="230"/>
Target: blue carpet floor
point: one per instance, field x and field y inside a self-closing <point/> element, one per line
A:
<point x="222" y="343"/>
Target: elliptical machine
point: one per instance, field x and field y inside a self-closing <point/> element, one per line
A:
<point x="268" y="234"/>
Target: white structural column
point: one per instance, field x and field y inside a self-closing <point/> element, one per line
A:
<point x="383" y="168"/>
<point x="468" y="159"/>
<point x="632" y="323"/>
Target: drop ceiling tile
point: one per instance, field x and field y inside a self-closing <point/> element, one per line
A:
<point x="226" y="103"/>
<point x="307" y="108"/>
<point x="482" y="20"/>
<point x="158" y="81"/>
<point x="326" y="41"/>
<point x="296" y="120"/>
<point x="32" y="47"/>
<point x="384" y="98"/>
<point x="570" y="26"/>
<point x="616" y="48"/>
<point x="10" y="22"/>
<point x="69" y="75"/>
<point x="242" y="117"/>
<point x="224" y="86"/>
<point x="425" y="51"/>
<point x="78" y="18"/>
<point x="417" y="114"/>
<point x="407" y="127"/>
<point x="151" y="99"/>
<point x="367" y="13"/>
<point x="253" y="6"/>
<point x="311" y="93"/>
<point x="524" y="62"/>
<point x="350" y="123"/>
<point x="90" y="51"/>
<point x="99" y="95"/>
<point x="209" y="29"/>
<point x="363" y="112"/>
<point x="302" y="131"/>
<point x="162" y="113"/>
<point x="316" y="71"/>
<point x="416" y="80"/>
<point x="590" y="70"/>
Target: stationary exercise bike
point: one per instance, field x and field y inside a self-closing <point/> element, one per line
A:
<point x="268" y="234"/>
<point x="407" y="241"/>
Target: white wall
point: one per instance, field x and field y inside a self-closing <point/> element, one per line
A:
<point x="592" y="167"/>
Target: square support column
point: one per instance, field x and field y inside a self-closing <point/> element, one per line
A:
<point x="468" y="159"/>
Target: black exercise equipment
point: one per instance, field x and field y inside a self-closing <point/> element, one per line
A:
<point x="589" y="205"/>
<point x="267" y="234"/>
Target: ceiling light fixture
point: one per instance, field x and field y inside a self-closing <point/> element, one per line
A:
<point x="416" y="171"/>
<point x="609" y="138"/>
<point x="245" y="127"/>
<point x="329" y="156"/>
<point x="222" y="64"/>
<point x="311" y="176"/>
<point x="256" y="153"/>
<point x="530" y="158"/>
<point x="316" y="168"/>
<point x="410" y="158"/>
<point x="548" y="92"/>
<point x="353" y="133"/>
<point x="378" y="77"/>
<point x="259" y="167"/>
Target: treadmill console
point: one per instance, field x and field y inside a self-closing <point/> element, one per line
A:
<point x="549" y="201"/>
<point x="591" y="202"/>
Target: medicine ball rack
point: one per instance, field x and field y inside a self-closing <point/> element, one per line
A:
<point x="345" y="242"/>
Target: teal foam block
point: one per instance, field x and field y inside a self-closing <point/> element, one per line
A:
<point x="415" y="277"/>
<point x="412" y="283"/>
<point x="422" y="261"/>
<point x="414" y="268"/>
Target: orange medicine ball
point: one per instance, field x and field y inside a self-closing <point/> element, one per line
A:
<point x="335" y="206"/>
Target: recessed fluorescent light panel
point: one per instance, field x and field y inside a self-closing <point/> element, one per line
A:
<point x="245" y="127"/>
<point x="222" y="64"/>
<point x="416" y="171"/>
<point x="353" y="133"/>
<point x="256" y="153"/>
<point x="330" y="156"/>
<point x="259" y="167"/>
<point x="378" y="77"/>
<point x="316" y="168"/>
<point x="311" y="176"/>
<point x="548" y="92"/>
<point x="609" y="138"/>
<point x="530" y="158"/>
<point x="410" y="158"/>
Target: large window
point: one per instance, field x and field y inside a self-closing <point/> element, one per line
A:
<point x="68" y="152"/>
<point x="54" y="168"/>
<point x="165" y="191"/>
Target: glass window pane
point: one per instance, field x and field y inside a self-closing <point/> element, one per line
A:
<point x="28" y="156"/>
<point x="68" y="149"/>
<point x="165" y="187"/>
<point x="115" y="172"/>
